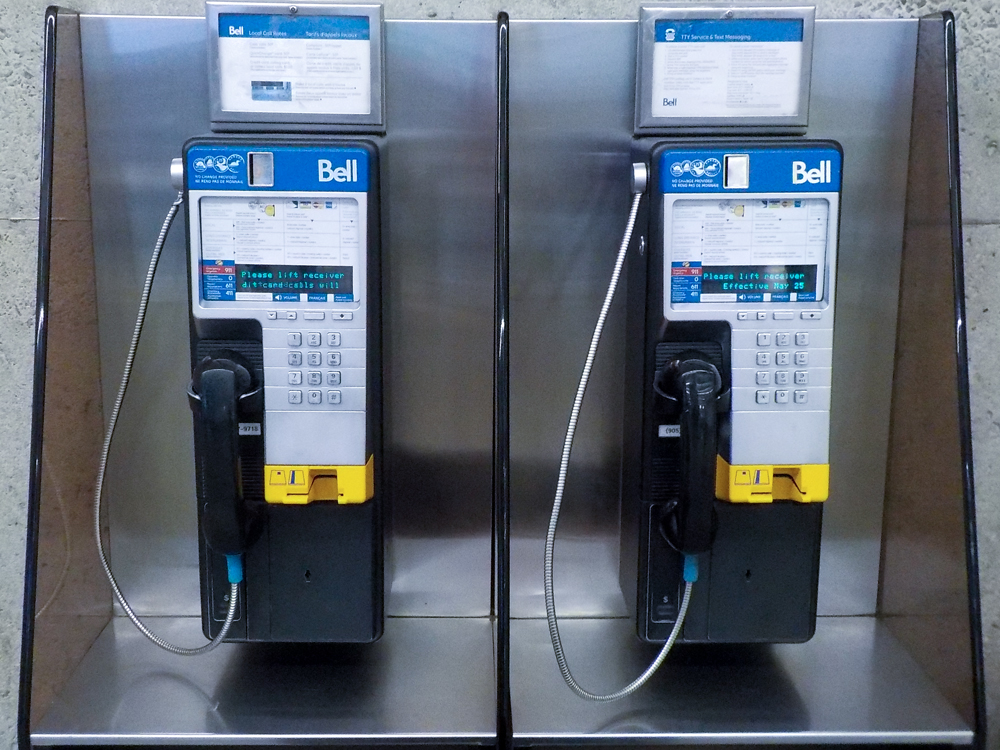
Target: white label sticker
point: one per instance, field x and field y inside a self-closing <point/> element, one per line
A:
<point x="250" y="428"/>
<point x="670" y="430"/>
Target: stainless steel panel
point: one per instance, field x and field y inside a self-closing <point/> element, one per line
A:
<point x="146" y="93"/>
<point x="572" y="87"/>
<point x="852" y="683"/>
<point x="427" y="680"/>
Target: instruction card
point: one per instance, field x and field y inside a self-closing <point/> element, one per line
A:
<point x="295" y="64"/>
<point x="727" y="68"/>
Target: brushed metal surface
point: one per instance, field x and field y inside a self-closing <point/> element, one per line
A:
<point x="427" y="680"/>
<point x="572" y="87"/>
<point x="146" y="93"/>
<point x="852" y="683"/>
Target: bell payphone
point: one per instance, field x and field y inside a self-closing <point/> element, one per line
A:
<point x="729" y="335"/>
<point x="282" y="209"/>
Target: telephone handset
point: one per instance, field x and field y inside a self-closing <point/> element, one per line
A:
<point x="283" y="272"/>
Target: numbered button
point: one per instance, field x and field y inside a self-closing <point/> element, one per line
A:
<point x="314" y="359"/>
<point x="314" y="339"/>
<point x="333" y="397"/>
<point x="801" y="359"/>
<point x="782" y="359"/>
<point x="763" y="339"/>
<point x="333" y="359"/>
<point x="781" y="397"/>
<point x="295" y="397"/>
<point x="332" y="339"/>
<point x="782" y="339"/>
<point x="314" y="378"/>
<point x="763" y="378"/>
<point x="801" y="339"/>
<point x="315" y="397"/>
<point x="295" y="339"/>
<point x="763" y="359"/>
<point x="295" y="377"/>
<point x="333" y="378"/>
<point x="295" y="358"/>
<point x="801" y="377"/>
<point x="801" y="397"/>
<point x="781" y="377"/>
<point x="763" y="397"/>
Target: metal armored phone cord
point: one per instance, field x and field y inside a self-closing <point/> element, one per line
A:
<point x="690" y="562"/>
<point x="235" y="570"/>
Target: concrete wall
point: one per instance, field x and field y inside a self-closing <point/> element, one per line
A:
<point x="20" y="114"/>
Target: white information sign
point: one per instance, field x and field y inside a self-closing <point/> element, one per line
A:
<point x="295" y="64"/>
<point x="727" y="68"/>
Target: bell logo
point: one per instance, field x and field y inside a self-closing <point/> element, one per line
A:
<point x="346" y="173"/>
<point x="820" y="174"/>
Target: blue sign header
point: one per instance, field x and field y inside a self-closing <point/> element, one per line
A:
<point x="771" y="170"/>
<point x="301" y="168"/>
<point x="729" y="30"/>
<point x="241" y="26"/>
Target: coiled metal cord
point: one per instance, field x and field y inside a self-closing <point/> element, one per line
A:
<point x="106" y="450"/>
<point x="550" y="537"/>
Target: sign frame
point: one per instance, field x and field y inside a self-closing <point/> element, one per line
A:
<point x="243" y="120"/>
<point x="648" y="123"/>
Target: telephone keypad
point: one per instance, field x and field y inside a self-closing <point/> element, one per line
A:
<point x="784" y="359"/>
<point x="290" y="345"/>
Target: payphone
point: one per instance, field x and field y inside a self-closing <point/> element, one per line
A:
<point x="282" y="209"/>
<point x="729" y="336"/>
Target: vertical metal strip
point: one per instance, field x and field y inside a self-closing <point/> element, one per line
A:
<point x="501" y="390"/>
<point x="38" y="389"/>
<point x="964" y="410"/>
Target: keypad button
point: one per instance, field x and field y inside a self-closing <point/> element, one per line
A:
<point x="801" y="359"/>
<point x="272" y="314"/>
<point x="295" y="358"/>
<point x="295" y="397"/>
<point x="291" y="315"/>
<point x="812" y="315"/>
<point x="762" y="316"/>
<point x="763" y="397"/>
<point x="295" y="339"/>
<point x="314" y="339"/>
<point x="333" y="378"/>
<point x="314" y="359"/>
<point x="341" y="316"/>
<point x="784" y="315"/>
<point x="801" y="397"/>
<point x="333" y="359"/>
<point x="315" y="397"/>
<point x="743" y="316"/>
<point x="781" y="397"/>
<point x="333" y="339"/>
<point x="313" y="315"/>
<point x="763" y="378"/>
<point x="314" y="378"/>
<point x="763" y="358"/>
<point x="781" y="377"/>
<point x="763" y="339"/>
<point x="782" y="339"/>
<point x="295" y="377"/>
<point x="801" y="339"/>
<point x="781" y="359"/>
<point x="333" y="397"/>
<point x="801" y="377"/>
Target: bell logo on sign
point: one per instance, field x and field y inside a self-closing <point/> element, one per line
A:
<point x="819" y="175"/>
<point x="346" y="173"/>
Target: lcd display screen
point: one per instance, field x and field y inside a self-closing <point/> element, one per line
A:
<point x="750" y="250"/>
<point x="279" y="249"/>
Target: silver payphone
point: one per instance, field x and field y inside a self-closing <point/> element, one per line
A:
<point x="731" y="282"/>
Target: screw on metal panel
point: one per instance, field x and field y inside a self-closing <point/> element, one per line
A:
<point x="293" y="9"/>
<point x="729" y="14"/>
